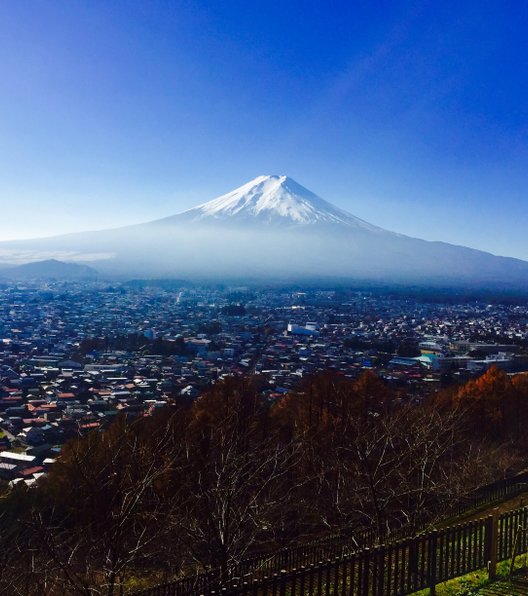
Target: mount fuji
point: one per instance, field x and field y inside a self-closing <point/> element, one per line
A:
<point x="271" y="228"/>
<point x="270" y="201"/>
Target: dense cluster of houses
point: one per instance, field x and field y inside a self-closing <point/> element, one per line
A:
<point x="74" y="356"/>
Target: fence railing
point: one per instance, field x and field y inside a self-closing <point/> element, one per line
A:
<point x="397" y="569"/>
<point x="494" y="492"/>
<point x="349" y="564"/>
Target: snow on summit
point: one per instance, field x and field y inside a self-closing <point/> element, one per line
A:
<point x="275" y="229"/>
<point x="273" y="200"/>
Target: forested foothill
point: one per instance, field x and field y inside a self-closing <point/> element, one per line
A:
<point x="206" y="484"/>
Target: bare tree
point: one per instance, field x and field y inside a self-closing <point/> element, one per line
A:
<point x="237" y="482"/>
<point x="104" y="514"/>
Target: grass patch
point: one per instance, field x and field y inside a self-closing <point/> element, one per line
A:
<point x="466" y="585"/>
<point x="472" y="583"/>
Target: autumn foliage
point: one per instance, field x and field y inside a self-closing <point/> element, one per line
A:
<point x="205" y="485"/>
<point x="495" y="405"/>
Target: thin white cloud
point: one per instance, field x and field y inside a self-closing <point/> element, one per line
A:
<point x="18" y="257"/>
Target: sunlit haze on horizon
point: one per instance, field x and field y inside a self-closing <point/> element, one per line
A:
<point x="411" y="116"/>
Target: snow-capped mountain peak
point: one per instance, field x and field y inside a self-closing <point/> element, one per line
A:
<point x="277" y="200"/>
<point x="274" y="229"/>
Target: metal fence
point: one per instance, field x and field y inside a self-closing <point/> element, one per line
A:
<point x="348" y="565"/>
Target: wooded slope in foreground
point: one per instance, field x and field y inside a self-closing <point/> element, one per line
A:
<point x="206" y="485"/>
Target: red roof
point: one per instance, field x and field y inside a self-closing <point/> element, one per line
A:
<point x="31" y="471"/>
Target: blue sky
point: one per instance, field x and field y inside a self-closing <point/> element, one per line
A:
<point x="411" y="115"/>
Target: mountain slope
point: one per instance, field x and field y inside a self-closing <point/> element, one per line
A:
<point x="50" y="269"/>
<point x="273" y="228"/>
<point x="270" y="201"/>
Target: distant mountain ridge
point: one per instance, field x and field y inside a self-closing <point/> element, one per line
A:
<point x="272" y="228"/>
<point x="50" y="269"/>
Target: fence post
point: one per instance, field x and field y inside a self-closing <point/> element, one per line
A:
<point x="381" y="568"/>
<point x="282" y="583"/>
<point x="493" y="541"/>
<point x="412" y="566"/>
<point x="433" y="541"/>
<point x="366" y="572"/>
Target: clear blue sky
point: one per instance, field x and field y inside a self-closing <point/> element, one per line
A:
<point x="411" y="115"/>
